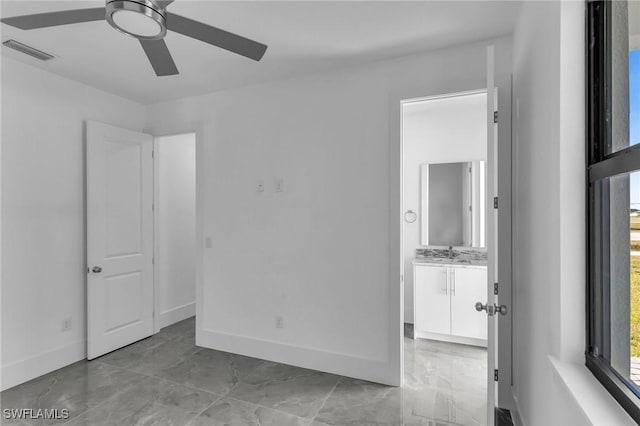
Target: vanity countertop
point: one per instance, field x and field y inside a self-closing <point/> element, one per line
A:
<point x="449" y="262"/>
<point x="459" y="257"/>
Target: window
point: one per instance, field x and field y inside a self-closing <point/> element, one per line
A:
<point x="613" y="169"/>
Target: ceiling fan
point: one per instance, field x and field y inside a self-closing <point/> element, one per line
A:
<point x="148" y="21"/>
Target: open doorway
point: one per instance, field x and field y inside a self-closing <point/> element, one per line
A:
<point x="175" y="228"/>
<point x="141" y="237"/>
<point x="444" y="250"/>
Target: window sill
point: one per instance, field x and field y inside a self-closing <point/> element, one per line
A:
<point x="593" y="399"/>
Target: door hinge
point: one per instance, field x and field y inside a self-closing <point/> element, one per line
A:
<point x="495" y="375"/>
<point x="153" y="207"/>
<point x="495" y="202"/>
<point x="495" y="288"/>
<point x="153" y="154"/>
<point x="495" y="116"/>
<point x="153" y="260"/>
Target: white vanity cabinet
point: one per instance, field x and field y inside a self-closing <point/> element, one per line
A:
<point x="445" y="297"/>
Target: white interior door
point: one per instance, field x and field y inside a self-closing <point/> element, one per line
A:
<point x="492" y="236"/>
<point x="119" y="238"/>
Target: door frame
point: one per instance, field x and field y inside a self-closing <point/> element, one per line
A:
<point x="172" y="130"/>
<point x="157" y="326"/>
<point x="503" y="82"/>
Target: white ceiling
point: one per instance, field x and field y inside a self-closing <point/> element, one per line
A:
<point x="303" y="37"/>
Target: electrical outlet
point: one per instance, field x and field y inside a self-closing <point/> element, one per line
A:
<point x="66" y="324"/>
<point x="279" y="322"/>
<point x="260" y="185"/>
<point x="279" y="185"/>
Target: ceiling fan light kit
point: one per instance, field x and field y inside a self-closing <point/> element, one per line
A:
<point x="147" y="21"/>
<point x="139" y="19"/>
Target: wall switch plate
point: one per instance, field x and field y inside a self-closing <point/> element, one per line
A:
<point x="207" y="242"/>
<point x="66" y="324"/>
<point x="279" y="322"/>
<point x="279" y="185"/>
<point x="260" y="185"/>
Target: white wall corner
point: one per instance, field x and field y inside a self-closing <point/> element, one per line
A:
<point x="177" y="314"/>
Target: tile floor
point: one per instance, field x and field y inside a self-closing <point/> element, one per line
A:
<point x="167" y="380"/>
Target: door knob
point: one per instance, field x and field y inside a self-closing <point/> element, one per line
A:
<point x="96" y="269"/>
<point x="501" y="309"/>
<point x="491" y="309"/>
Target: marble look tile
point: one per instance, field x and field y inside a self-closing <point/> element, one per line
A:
<point x="356" y="402"/>
<point x="232" y="412"/>
<point x="152" y="401"/>
<point x="153" y="354"/>
<point x="78" y="387"/>
<point x="444" y="384"/>
<point x="286" y="388"/>
<point x="450" y="366"/>
<point x="426" y="346"/>
<point x="12" y="422"/>
<point x="431" y="405"/>
<point x="211" y="370"/>
<point x="182" y="328"/>
<point x="158" y="415"/>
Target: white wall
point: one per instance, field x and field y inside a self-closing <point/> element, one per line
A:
<point x="176" y="227"/>
<point x="445" y="130"/>
<point x="43" y="238"/>
<point x="551" y="385"/>
<point x="322" y="252"/>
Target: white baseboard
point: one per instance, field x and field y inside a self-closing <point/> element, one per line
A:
<point x="330" y="362"/>
<point x="177" y="314"/>
<point x="29" y="368"/>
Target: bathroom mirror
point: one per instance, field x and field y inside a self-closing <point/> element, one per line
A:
<point x="453" y="204"/>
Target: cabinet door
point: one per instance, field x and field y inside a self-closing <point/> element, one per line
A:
<point x="432" y="304"/>
<point x="468" y="286"/>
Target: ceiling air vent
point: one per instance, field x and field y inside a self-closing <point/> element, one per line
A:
<point x="23" y="48"/>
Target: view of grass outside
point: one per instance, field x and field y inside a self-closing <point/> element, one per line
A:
<point x="635" y="287"/>
<point x="635" y="306"/>
<point x="634" y="138"/>
<point x="635" y="284"/>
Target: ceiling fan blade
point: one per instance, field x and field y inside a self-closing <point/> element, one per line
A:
<point x="163" y="3"/>
<point x="159" y="56"/>
<point x="52" y="19"/>
<point x="215" y="36"/>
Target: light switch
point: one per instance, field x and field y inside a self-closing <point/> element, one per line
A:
<point x="260" y="186"/>
<point x="207" y="242"/>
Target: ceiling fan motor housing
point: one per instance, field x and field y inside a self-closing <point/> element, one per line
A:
<point x="141" y="19"/>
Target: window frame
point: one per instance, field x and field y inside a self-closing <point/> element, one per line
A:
<point x="601" y="165"/>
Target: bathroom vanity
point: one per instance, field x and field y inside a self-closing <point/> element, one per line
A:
<point x="445" y="292"/>
<point x="450" y="269"/>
